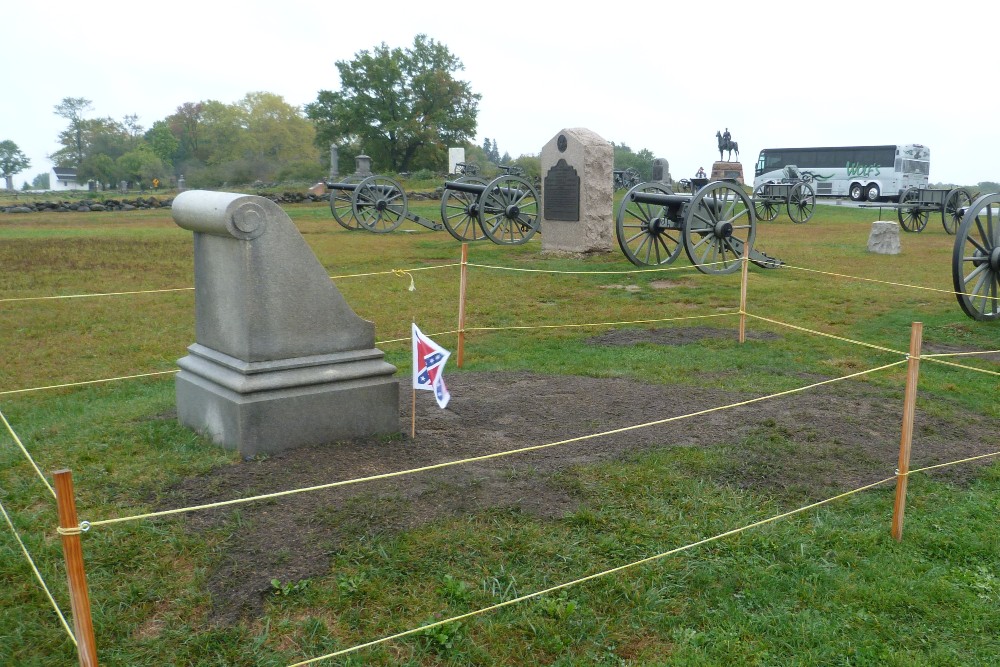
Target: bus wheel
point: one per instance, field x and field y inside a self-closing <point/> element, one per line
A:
<point x="857" y="192"/>
<point x="872" y="193"/>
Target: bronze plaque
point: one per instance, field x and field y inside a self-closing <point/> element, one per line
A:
<point x="561" y="193"/>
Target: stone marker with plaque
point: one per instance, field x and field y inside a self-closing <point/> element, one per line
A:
<point x="577" y="193"/>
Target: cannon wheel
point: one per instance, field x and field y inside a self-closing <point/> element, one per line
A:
<point x="719" y="222"/>
<point x="341" y="207"/>
<point x="508" y="210"/>
<point x="766" y="209"/>
<point x="801" y="202"/>
<point x="460" y="212"/>
<point x="379" y="204"/>
<point x="951" y="213"/>
<point x="976" y="260"/>
<point x="644" y="233"/>
<point x="911" y="218"/>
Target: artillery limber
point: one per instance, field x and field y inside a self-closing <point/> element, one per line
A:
<point x="794" y="192"/>
<point x="375" y="203"/>
<point x="976" y="259"/>
<point x="916" y="205"/>
<point x="714" y="226"/>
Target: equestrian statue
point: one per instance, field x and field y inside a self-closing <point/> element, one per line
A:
<point x="726" y="143"/>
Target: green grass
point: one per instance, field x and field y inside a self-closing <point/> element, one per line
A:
<point x="825" y="587"/>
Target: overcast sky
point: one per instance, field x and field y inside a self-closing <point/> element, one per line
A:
<point x="657" y="75"/>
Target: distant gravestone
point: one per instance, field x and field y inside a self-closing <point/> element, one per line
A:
<point x="280" y="359"/>
<point x="180" y="183"/>
<point x="661" y="171"/>
<point x="334" y="162"/>
<point x="362" y="166"/>
<point x="455" y="155"/>
<point x="884" y="238"/>
<point x="577" y="193"/>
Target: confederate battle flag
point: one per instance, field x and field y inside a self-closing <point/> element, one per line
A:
<point x="428" y="366"/>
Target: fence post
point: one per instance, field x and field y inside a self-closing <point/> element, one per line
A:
<point x="463" y="280"/>
<point x="906" y="439"/>
<point x="743" y="294"/>
<point x="79" y="598"/>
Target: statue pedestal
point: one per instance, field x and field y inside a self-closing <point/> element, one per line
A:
<point x="727" y="171"/>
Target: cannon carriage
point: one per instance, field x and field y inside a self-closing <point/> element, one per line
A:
<point x="976" y="259"/>
<point x="504" y="210"/>
<point x="794" y="191"/>
<point x="714" y="226"/>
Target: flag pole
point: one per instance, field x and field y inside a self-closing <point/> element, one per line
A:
<point x="413" y="391"/>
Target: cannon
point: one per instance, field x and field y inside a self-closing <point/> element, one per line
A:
<point x="976" y="259"/>
<point x="713" y="225"/>
<point x="376" y="203"/>
<point x="504" y="210"/>
<point x="794" y="191"/>
<point x="624" y="178"/>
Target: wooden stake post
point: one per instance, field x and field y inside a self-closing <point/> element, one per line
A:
<point x="743" y="294"/>
<point x="463" y="281"/>
<point x="73" y="552"/>
<point x="906" y="440"/>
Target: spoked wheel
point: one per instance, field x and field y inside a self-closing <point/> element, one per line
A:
<point x="340" y="204"/>
<point x="911" y="218"/>
<point x="766" y="209"/>
<point x="379" y="204"/>
<point x="508" y="210"/>
<point x="460" y="212"/>
<point x="801" y="202"/>
<point x="645" y="234"/>
<point x="720" y="222"/>
<point x="976" y="260"/>
<point x="631" y="178"/>
<point x="951" y="214"/>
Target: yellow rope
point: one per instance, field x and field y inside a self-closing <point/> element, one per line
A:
<point x="85" y="296"/>
<point x="968" y="368"/>
<point x="666" y="268"/>
<point x="599" y="324"/>
<point x="952" y="463"/>
<point x="394" y="271"/>
<point x="86" y="382"/>
<point x="38" y="575"/>
<point x="596" y="575"/>
<point x="484" y="457"/>
<point x="870" y="280"/>
<point x="820" y="333"/>
<point x="959" y="354"/>
<point x="27" y="455"/>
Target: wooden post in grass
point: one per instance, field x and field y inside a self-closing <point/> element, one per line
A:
<point x="73" y="553"/>
<point x="463" y="281"/>
<point x="743" y="294"/>
<point x="906" y="440"/>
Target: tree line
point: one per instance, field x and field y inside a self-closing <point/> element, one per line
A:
<point x="403" y="107"/>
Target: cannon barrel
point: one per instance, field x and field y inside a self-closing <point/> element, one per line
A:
<point x="342" y="186"/>
<point x="479" y="188"/>
<point x="660" y="199"/>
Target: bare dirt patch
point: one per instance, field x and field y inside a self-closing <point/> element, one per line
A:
<point x="804" y="446"/>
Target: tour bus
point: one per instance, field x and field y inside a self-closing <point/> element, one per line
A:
<point x="859" y="172"/>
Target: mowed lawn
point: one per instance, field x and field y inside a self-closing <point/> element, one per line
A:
<point x="86" y="297"/>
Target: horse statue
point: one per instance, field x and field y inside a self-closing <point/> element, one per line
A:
<point x="727" y="144"/>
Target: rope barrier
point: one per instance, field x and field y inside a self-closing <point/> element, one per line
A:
<point x="826" y="335"/>
<point x="599" y="324"/>
<point x="872" y="280"/>
<point x="595" y="575"/>
<point x="85" y="296"/>
<point x="666" y="268"/>
<point x="27" y="455"/>
<point x="38" y="575"/>
<point x="86" y="382"/>
<point x="484" y="457"/>
<point x="951" y="463"/>
<point x="954" y="365"/>
<point x="395" y="271"/>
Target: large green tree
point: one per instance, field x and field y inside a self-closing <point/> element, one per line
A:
<point x="403" y="107"/>
<point x="12" y="161"/>
<point x="72" y="138"/>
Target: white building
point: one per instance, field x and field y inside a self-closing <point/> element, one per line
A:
<point x="64" y="178"/>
